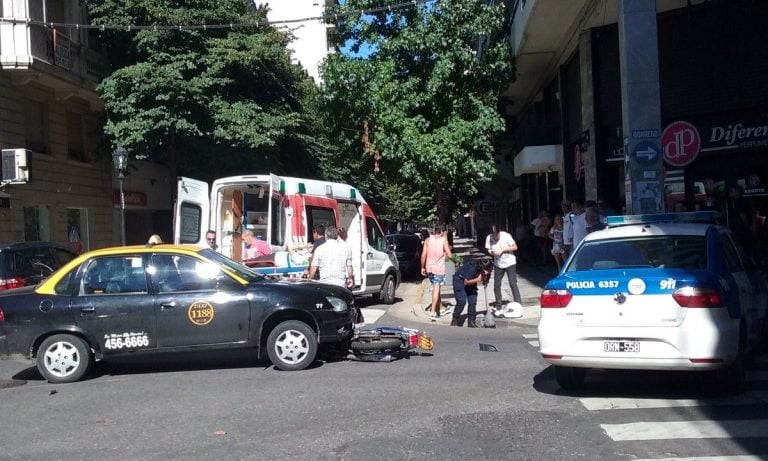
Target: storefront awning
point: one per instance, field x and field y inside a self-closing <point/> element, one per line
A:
<point x="537" y="159"/>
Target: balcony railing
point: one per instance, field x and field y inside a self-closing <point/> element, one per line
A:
<point x="52" y="47"/>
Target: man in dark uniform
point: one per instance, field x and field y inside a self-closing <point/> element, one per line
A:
<point x="465" y="281"/>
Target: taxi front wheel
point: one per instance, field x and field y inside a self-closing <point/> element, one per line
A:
<point x="292" y="346"/>
<point x="63" y="358"/>
<point x="570" y="378"/>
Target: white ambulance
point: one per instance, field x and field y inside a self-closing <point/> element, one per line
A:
<point x="283" y="212"/>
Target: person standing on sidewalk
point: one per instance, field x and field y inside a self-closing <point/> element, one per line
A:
<point x="465" y="281"/>
<point x="556" y="235"/>
<point x="433" y="254"/>
<point x="502" y="247"/>
<point x="565" y="205"/>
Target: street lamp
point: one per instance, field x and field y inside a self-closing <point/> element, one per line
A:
<point x="120" y="162"/>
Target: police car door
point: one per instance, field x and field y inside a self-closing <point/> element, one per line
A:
<point x="746" y="290"/>
<point x="191" y="211"/>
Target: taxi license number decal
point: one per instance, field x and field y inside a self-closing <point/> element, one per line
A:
<point x="621" y="346"/>
<point x="200" y="313"/>
<point x="126" y="340"/>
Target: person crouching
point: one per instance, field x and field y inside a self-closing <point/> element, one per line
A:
<point x="465" y="281"/>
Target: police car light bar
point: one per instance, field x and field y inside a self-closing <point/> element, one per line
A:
<point x="707" y="217"/>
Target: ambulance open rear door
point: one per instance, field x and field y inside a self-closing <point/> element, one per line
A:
<point x="191" y="211"/>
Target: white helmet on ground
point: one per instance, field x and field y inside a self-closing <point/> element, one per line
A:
<point x="513" y="310"/>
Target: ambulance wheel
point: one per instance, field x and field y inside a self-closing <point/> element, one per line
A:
<point x="387" y="294"/>
<point x="570" y="378"/>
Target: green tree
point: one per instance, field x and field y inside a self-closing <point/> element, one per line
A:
<point x="208" y="102"/>
<point x="428" y="93"/>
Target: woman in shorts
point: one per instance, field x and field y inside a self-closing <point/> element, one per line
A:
<point x="556" y="235"/>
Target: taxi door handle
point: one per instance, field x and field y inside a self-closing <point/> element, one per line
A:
<point x="169" y="305"/>
<point x="87" y="309"/>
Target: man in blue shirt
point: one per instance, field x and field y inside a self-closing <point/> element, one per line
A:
<point x="465" y="280"/>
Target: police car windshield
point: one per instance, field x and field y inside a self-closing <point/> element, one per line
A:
<point x="669" y="251"/>
<point x="240" y="269"/>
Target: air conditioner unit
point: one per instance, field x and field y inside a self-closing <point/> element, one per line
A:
<point x="15" y="166"/>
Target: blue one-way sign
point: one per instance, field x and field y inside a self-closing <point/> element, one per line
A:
<point x="646" y="152"/>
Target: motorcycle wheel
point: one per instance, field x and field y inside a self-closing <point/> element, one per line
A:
<point x="380" y="344"/>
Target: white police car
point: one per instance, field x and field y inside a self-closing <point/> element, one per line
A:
<point x="654" y="292"/>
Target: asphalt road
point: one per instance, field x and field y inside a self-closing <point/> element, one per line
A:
<point x="456" y="403"/>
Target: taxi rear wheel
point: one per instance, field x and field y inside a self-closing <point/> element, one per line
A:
<point x="63" y="358"/>
<point x="570" y="378"/>
<point x="292" y="346"/>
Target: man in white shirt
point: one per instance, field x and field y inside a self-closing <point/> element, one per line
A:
<point x="334" y="261"/>
<point x="502" y="247"/>
<point x="579" y="222"/>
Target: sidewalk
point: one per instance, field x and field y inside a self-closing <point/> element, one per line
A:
<point x="530" y="281"/>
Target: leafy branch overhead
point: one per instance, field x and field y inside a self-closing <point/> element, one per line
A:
<point x="212" y="102"/>
<point x="429" y="88"/>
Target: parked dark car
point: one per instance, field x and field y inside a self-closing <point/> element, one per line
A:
<point x="28" y="263"/>
<point x="407" y="248"/>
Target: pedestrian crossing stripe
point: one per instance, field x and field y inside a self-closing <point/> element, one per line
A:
<point x="618" y="403"/>
<point x="710" y="458"/>
<point x="531" y="336"/>
<point x="534" y="343"/>
<point x="671" y="430"/>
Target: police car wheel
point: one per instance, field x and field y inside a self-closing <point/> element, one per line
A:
<point x="570" y="378"/>
<point x="292" y="346"/>
<point x="63" y="358"/>
<point x="387" y="295"/>
<point x="730" y="380"/>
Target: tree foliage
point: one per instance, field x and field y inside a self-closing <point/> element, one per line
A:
<point x="428" y="93"/>
<point x="211" y="102"/>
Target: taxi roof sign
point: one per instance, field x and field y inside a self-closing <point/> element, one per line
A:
<point x="706" y="217"/>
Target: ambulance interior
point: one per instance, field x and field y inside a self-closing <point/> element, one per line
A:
<point x="247" y="207"/>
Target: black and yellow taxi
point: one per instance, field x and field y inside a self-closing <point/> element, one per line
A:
<point x="167" y="298"/>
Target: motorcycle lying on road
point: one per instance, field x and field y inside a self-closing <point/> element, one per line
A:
<point x="386" y="343"/>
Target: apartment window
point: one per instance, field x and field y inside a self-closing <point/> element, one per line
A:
<point x="36" y="126"/>
<point x="77" y="229"/>
<point x="76" y="138"/>
<point x="37" y="223"/>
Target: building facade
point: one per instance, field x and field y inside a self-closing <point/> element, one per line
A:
<point x="50" y="130"/>
<point x="49" y="114"/>
<point x="310" y="44"/>
<point x="568" y="127"/>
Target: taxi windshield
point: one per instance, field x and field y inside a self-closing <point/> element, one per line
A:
<point x="239" y="269"/>
<point x="668" y="251"/>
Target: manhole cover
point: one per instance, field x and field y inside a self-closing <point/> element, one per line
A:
<point x="6" y="383"/>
